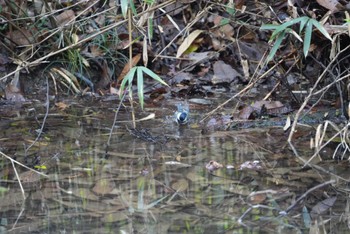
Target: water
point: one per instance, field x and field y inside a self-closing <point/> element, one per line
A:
<point x="136" y="186"/>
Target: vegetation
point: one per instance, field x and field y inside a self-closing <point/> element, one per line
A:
<point x="283" y="57"/>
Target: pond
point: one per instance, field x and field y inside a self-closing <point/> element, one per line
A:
<point x="132" y="185"/>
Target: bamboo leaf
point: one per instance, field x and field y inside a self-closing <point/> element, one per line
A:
<point x="276" y="46"/>
<point x="286" y="25"/>
<point x="307" y="38"/>
<point x="124" y="6"/>
<point x="153" y="75"/>
<point x="128" y="78"/>
<point x="302" y="24"/>
<point x="321" y="28"/>
<point x="140" y="86"/>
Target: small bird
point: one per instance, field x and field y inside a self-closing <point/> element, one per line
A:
<point x="182" y="113"/>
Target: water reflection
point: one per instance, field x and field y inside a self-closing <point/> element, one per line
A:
<point x="134" y="186"/>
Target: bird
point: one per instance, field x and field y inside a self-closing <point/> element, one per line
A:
<point x="182" y="114"/>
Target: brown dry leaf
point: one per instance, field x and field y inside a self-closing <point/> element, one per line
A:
<point x="22" y="37"/>
<point x="332" y="5"/>
<point x="223" y="73"/>
<point x="65" y="17"/>
<point x="188" y="42"/>
<point x="61" y="105"/>
<point x="126" y="68"/>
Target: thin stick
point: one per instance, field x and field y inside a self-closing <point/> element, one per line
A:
<point x="304" y="195"/>
<point x="19" y="180"/>
<point x="47" y="104"/>
<point x="22" y="165"/>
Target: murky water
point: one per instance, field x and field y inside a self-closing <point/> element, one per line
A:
<point x="137" y="186"/>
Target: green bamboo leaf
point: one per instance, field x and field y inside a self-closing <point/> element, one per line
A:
<point x="286" y="25"/>
<point x="307" y="38"/>
<point x="150" y="28"/>
<point x="153" y="75"/>
<point x="269" y="27"/>
<point x="133" y="8"/>
<point x="140" y="86"/>
<point x="275" y="47"/>
<point x="128" y="78"/>
<point x="302" y="24"/>
<point x="124" y="5"/>
<point x="321" y="28"/>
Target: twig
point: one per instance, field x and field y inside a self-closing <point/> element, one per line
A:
<point x="19" y="180"/>
<point x="22" y="165"/>
<point x="115" y="118"/>
<point x="47" y="104"/>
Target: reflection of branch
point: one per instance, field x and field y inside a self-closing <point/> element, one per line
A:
<point x="22" y="165"/>
<point x="47" y="104"/>
<point x="304" y="195"/>
<point x="14" y="168"/>
<point x="286" y="211"/>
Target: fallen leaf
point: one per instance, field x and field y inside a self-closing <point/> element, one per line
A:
<point x="332" y="5"/>
<point x="223" y="73"/>
<point x="188" y="42"/>
<point x="65" y="17"/>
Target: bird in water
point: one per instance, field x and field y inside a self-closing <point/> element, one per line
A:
<point x="182" y="113"/>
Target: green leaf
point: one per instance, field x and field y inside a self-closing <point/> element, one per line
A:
<point x="140" y="86"/>
<point x="287" y="24"/>
<point x="269" y="27"/>
<point x="307" y="38"/>
<point x="321" y="28"/>
<point x="275" y="47"/>
<point x="153" y="75"/>
<point x="150" y="28"/>
<point x="230" y="9"/>
<point x="128" y="78"/>
<point x="133" y="8"/>
<point x="124" y="5"/>
<point x="302" y="24"/>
